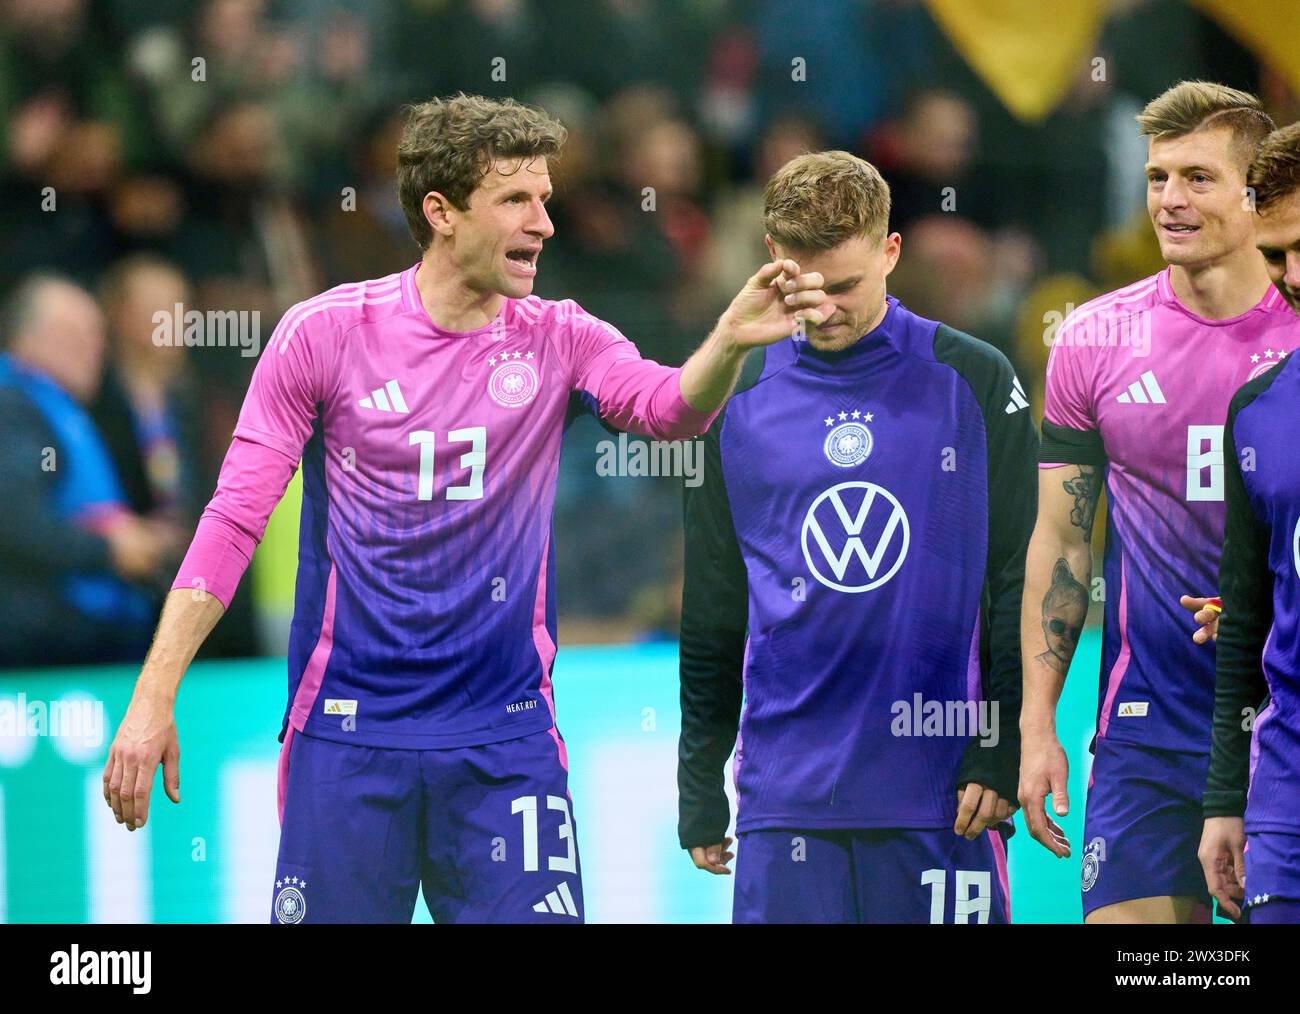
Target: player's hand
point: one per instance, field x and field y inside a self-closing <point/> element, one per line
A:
<point x="773" y="302"/>
<point x="713" y="858"/>
<point x="1223" y="858"/>
<point x="979" y="809"/>
<point x="1206" y="613"/>
<point x="146" y="738"/>
<point x="1044" y="770"/>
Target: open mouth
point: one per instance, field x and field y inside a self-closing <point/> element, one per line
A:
<point x="524" y="259"/>
<point x="1180" y="229"/>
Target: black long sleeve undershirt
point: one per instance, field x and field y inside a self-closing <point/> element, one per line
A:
<point x="1246" y="587"/>
<point x="1011" y="446"/>
<point x="715" y="610"/>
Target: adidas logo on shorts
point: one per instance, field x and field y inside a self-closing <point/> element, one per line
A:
<point x="558" y="902"/>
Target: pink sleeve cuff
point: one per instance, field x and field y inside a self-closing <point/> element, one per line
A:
<point x="683" y="421"/>
<point x="216" y="560"/>
<point x="645" y="397"/>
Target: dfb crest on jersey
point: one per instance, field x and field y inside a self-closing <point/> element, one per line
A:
<point x="1262" y="364"/>
<point x="514" y="383"/>
<point x="1093" y="856"/>
<point x="848" y="444"/>
<point x="290" y="903"/>
<point x="835" y="537"/>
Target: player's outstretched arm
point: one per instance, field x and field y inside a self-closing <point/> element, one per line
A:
<point x="670" y="403"/>
<point x="767" y="309"/>
<point x="1058" y="573"/>
<point x="147" y="736"/>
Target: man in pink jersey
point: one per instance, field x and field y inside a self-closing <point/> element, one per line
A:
<point x="427" y="409"/>
<point x="1138" y="385"/>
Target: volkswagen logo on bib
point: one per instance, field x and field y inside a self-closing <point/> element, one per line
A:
<point x="855" y="536"/>
<point x="1295" y="542"/>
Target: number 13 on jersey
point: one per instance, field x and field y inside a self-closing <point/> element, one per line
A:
<point x="475" y="459"/>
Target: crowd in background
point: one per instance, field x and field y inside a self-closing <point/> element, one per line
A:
<point x="240" y="155"/>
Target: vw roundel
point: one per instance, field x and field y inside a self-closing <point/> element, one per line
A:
<point x="874" y="532"/>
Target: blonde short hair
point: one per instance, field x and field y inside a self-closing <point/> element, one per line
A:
<point x="1190" y="106"/>
<point x="817" y="201"/>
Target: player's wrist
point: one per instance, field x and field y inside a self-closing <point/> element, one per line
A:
<point x="726" y="340"/>
<point x="156" y="689"/>
<point x="1037" y="729"/>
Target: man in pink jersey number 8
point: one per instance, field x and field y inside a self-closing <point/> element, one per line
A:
<point x="1138" y="385"/>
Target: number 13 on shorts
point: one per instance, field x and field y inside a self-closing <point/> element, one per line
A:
<point x="527" y="806"/>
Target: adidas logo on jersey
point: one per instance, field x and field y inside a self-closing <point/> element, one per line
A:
<point x="558" y="902"/>
<point x="1018" y="400"/>
<point x="392" y="401"/>
<point x="1143" y="391"/>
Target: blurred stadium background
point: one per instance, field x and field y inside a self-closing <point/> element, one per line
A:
<point x="238" y="155"/>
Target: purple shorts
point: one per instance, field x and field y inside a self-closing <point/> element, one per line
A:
<point x="1272" y="876"/>
<point x="1142" y="826"/>
<point x="870" y="876"/>
<point x="487" y="831"/>
<point x="1274" y="912"/>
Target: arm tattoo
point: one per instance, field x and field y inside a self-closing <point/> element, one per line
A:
<point x="1086" y="490"/>
<point x="1065" y="607"/>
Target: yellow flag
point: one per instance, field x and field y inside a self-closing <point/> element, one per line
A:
<point x="1268" y="28"/>
<point x="1028" y="52"/>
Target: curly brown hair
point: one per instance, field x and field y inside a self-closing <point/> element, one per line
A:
<point x="1275" y="172"/>
<point x="450" y="144"/>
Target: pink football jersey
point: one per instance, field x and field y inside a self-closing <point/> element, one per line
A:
<point x="1139" y="383"/>
<point x="425" y="608"/>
